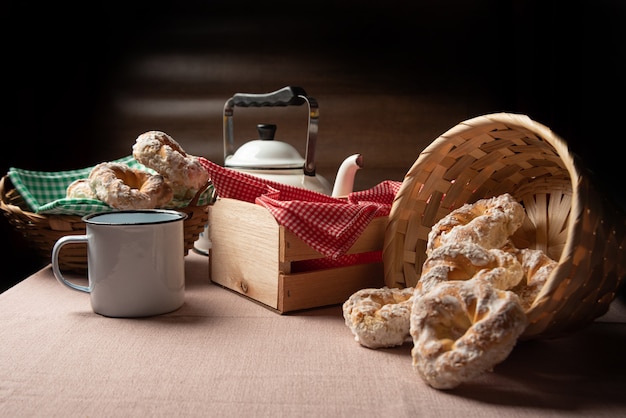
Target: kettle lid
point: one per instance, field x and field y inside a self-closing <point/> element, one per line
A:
<point x="266" y="152"/>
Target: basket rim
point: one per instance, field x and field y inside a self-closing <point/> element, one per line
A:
<point x="10" y="208"/>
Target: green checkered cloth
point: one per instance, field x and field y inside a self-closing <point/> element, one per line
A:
<point x="45" y="192"/>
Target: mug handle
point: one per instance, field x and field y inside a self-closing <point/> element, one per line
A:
<point x="68" y="239"/>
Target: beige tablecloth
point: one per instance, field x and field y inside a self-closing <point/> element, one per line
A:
<point x="223" y="355"/>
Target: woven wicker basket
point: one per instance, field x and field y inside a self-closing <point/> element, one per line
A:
<point x="42" y="231"/>
<point x="566" y="216"/>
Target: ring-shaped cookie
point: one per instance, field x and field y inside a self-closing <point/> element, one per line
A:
<point x="461" y="329"/>
<point x="160" y="152"/>
<point x="487" y="222"/>
<point x="379" y="317"/>
<point x="124" y="187"/>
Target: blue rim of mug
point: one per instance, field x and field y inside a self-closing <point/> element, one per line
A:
<point x="176" y="216"/>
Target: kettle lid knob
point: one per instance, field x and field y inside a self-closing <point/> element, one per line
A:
<point x="266" y="131"/>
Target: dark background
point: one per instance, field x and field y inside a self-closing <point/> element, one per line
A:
<point x="65" y="67"/>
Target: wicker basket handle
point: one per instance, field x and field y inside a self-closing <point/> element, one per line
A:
<point x="194" y="200"/>
<point x="2" y="187"/>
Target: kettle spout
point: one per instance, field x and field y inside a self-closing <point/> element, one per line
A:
<point x="344" y="183"/>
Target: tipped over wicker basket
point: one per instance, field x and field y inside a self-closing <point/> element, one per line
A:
<point x="566" y="216"/>
<point x="42" y="231"/>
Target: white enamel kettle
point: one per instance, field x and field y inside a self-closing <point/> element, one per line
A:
<point x="277" y="160"/>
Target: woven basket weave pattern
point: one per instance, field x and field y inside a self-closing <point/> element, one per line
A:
<point x="42" y="231"/>
<point x="566" y="217"/>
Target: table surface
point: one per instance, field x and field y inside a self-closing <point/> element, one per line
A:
<point x="221" y="354"/>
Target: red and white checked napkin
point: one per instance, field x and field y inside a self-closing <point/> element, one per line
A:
<point x="327" y="224"/>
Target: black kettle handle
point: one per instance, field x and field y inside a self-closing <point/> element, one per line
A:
<point x="287" y="96"/>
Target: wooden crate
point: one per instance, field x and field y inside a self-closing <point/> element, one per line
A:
<point x="253" y="255"/>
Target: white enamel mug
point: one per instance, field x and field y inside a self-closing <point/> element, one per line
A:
<point x="135" y="262"/>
